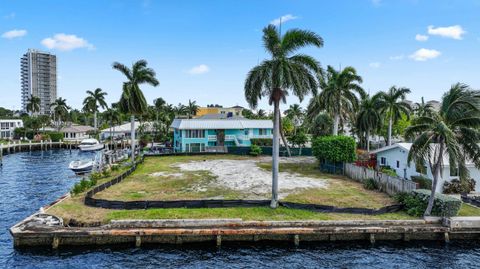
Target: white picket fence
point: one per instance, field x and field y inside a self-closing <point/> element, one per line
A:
<point x="386" y="183"/>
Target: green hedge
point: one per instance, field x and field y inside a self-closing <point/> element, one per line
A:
<point x="417" y="201"/>
<point x="262" y="142"/>
<point x="334" y="148"/>
<point x="456" y="186"/>
<point x="423" y="182"/>
<point x="55" y="136"/>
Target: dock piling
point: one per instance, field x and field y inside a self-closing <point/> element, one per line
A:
<point x="372" y="239"/>
<point x="296" y="240"/>
<point x="138" y="241"/>
<point x="447" y="237"/>
<point x="55" y="243"/>
<point x="219" y="240"/>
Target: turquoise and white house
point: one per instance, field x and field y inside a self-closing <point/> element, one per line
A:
<point x="200" y="134"/>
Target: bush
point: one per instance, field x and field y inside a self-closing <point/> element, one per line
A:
<point x="370" y="184"/>
<point x="255" y="150"/>
<point x="416" y="202"/>
<point x="389" y="171"/>
<point x="334" y="148"/>
<point x="55" y="136"/>
<point x="423" y="182"/>
<point x="456" y="186"/>
<point x="262" y="142"/>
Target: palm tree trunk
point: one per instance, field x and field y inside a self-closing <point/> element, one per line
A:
<point x="336" y="122"/>
<point x="431" y="200"/>
<point x="95" y="121"/>
<point x="132" y="137"/>
<point x="390" y="123"/>
<point x="436" y="174"/>
<point x="275" y="154"/>
<point x="368" y="140"/>
<point x="283" y="135"/>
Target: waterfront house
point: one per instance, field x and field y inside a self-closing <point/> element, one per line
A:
<point x="124" y="130"/>
<point x="396" y="156"/>
<point x="75" y="132"/>
<point x="217" y="109"/>
<point x="200" y="134"/>
<point x="8" y="126"/>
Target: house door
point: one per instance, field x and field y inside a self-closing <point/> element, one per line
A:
<point x="220" y="137"/>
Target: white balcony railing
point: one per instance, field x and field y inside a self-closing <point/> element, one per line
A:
<point x="212" y="138"/>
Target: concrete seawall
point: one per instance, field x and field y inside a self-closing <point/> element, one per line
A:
<point x="31" y="233"/>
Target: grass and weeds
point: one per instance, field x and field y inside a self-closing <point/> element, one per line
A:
<point x="341" y="192"/>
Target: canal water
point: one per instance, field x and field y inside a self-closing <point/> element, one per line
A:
<point x="31" y="180"/>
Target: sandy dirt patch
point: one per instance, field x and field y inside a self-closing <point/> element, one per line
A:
<point x="246" y="176"/>
<point x="165" y="174"/>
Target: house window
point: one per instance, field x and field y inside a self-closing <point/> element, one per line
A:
<point x="453" y="172"/>
<point x="383" y="161"/>
<point x="194" y="133"/>
<point x="398" y="164"/>
<point x="262" y="131"/>
<point x="246" y="132"/>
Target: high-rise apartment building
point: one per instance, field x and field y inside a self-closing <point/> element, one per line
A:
<point x="39" y="78"/>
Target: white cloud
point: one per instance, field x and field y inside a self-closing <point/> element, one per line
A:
<point x="374" y="65"/>
<point x="200" y="69"/>
<point x="283" y="19"/>
<point x="425" y="54"/>
<point x="66" y="42"/>
<point x="14" y="34"/>
<point x="421" y="38"/>
<point x="455" y="31"/>
<point x="396" y="57"/>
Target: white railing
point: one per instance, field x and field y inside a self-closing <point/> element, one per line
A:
<point x="229" y="138"/>
<point x="261" y="136"/>
<point x="212" y="138"/>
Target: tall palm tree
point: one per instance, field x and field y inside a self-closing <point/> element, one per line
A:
<point x="33" y="105"/>
<point x="283" y="73"/>
<point x="454" y="131"/>
<point x="338" y="95"/>
<point x="112" y="116"/>
<point x="180" y="110"/>
<point x="369" y="118"/>
<point x="296" y="114"/>
<point x="392" y="104"/>
<point x="192" y="108"/>
<point x="423" y="108"/>
<point x="132" y="100"/>
<point x="261" y="114"/>
<point x="60" y="110"/>
<point x="94" y="100"/>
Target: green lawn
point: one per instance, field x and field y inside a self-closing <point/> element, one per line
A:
<point x="341" y="192"/>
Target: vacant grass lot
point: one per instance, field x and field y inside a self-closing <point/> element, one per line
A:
<point x="341" y="192"/>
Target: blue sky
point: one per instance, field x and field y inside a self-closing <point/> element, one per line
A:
<point x="202" y="50"/>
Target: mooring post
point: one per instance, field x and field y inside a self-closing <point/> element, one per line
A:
<point x="1" y="154"/>
<point x="372" y="239"/>
<point x="447" y="237"/>
<point x="55" y="242"/>
<point x="8" y="146"/>
<point x="219" y="240"/>
<point x="296" y="240"/>
<point x="29" y="145"/>
<point x="138" y="241"/>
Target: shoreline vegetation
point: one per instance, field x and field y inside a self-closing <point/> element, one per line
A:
<point x="174" y="183"/>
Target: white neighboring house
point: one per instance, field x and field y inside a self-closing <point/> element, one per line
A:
<point x="76" y="132"/>
<point x="124" y="130"/>
<point x="8" y="126"/>
<point x="396" y="157"/>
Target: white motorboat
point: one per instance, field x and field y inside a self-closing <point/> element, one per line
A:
<point x="81" y="167"/>
<point x="90" y="145"/>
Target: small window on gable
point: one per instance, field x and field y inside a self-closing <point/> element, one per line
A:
<point x="383" y="161"/>
<point x="398" y="164"/>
